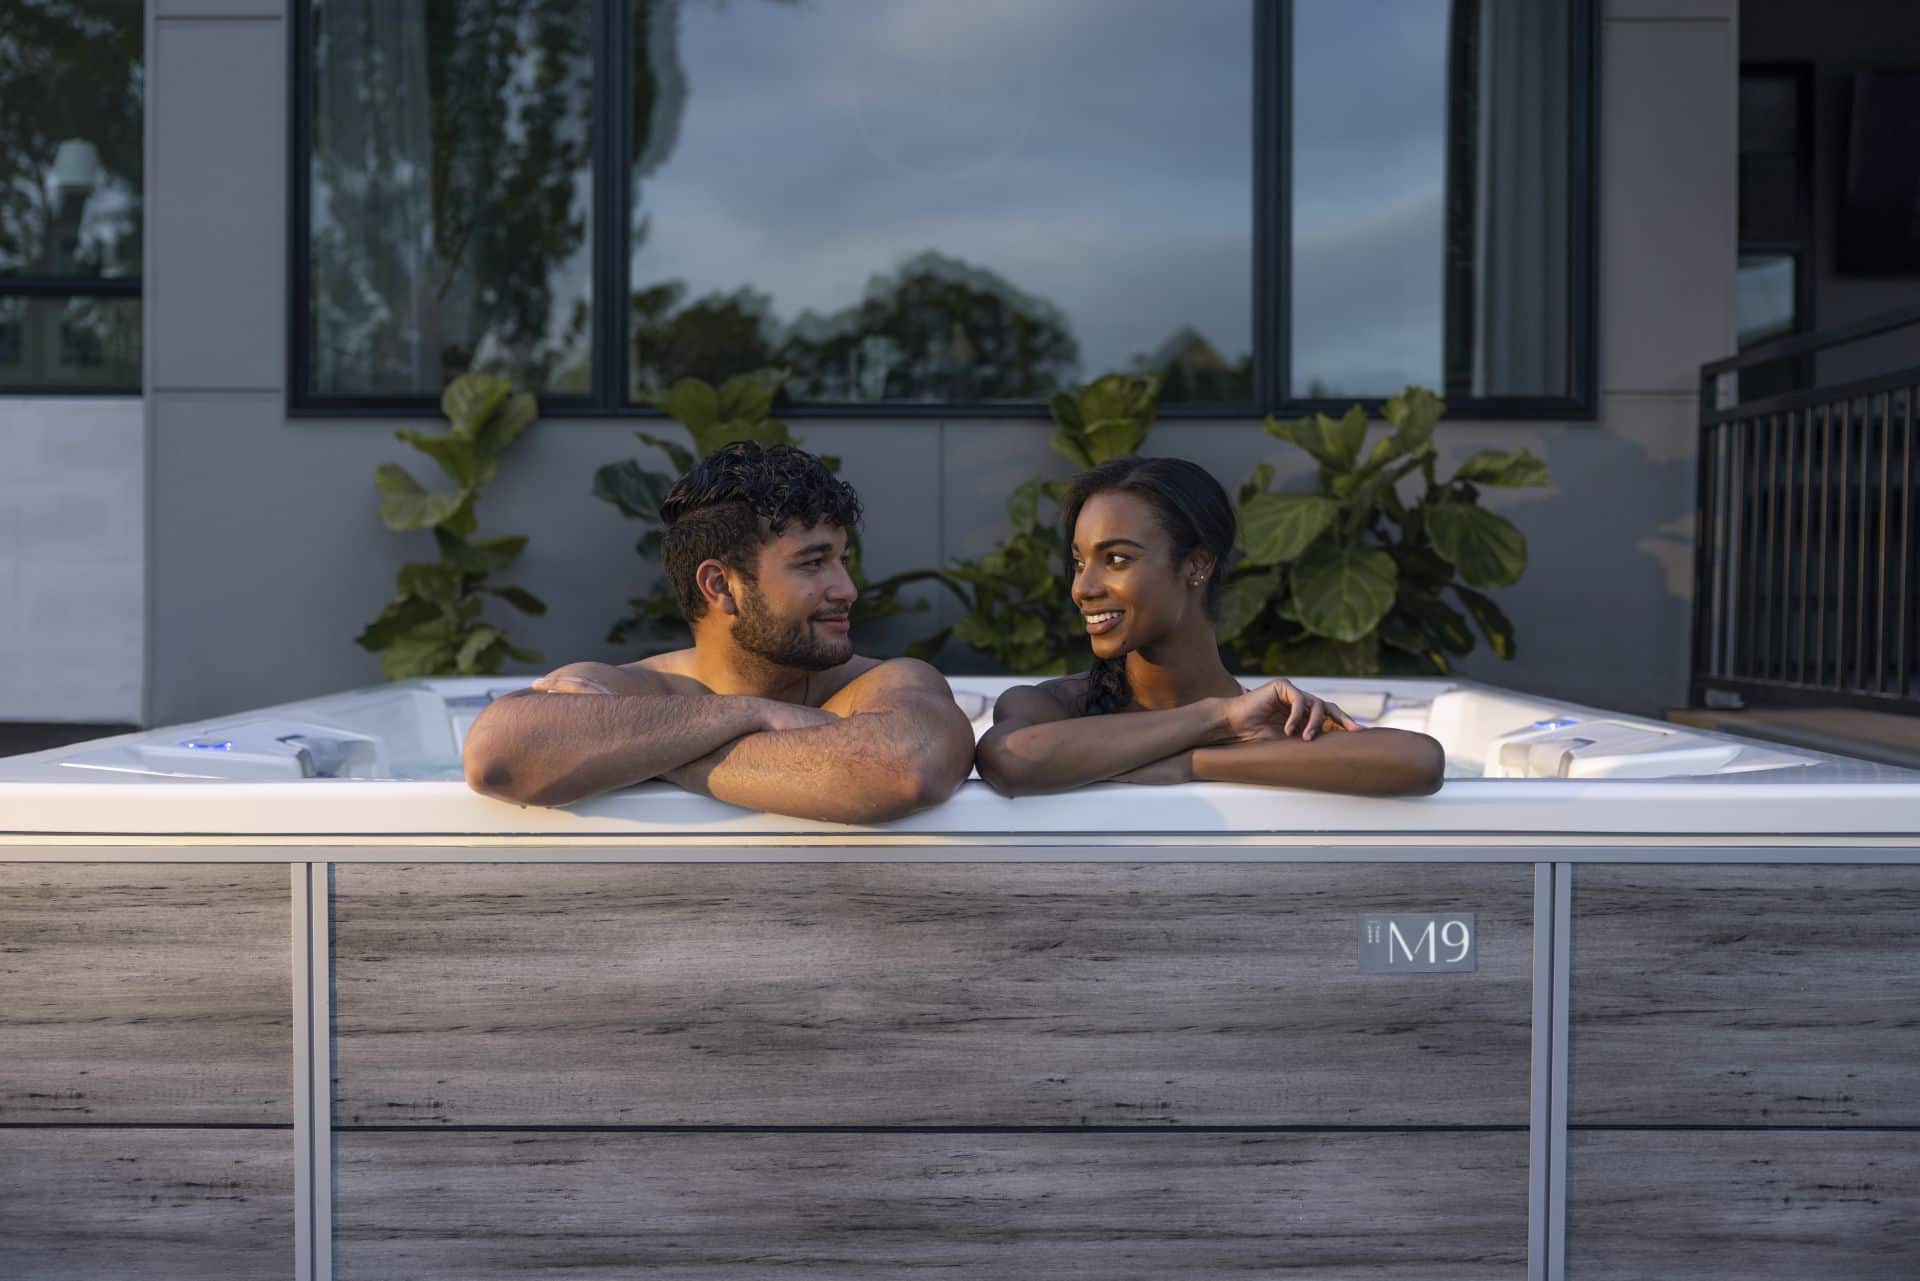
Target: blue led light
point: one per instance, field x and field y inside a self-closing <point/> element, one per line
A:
<point x="1556" y="722"/>
<point x="208" y="744"/>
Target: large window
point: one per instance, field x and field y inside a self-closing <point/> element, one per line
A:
<point x="71" y="96"/>
<point x="920" y="204"/>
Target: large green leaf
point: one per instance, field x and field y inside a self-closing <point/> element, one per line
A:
<point x="426" y="650"/>
<point x="1494" y="623"/>
<point x="1119" y="396"/>
<point x="1071" y="446"/>
<point x="694" y="404"/>
<point x="1487" y="549"/>
<point x="750" y="396"/>
<point x="636" y="492"/>
<point x="1023" y="506"/>
<point x="482" y="556"/>
<point x="468" y="660"/>
<point x="514" y="416"/>
<point x="1343" y="591"/>
<point x="455" y="454"/>
<point x="1319" y="656"/>
<point x="1496" y="467"/>
<point x="1412" y="414"/>
<point x="1333" y="444"/>
<point x="518" y="597"/>
<point x="1280" y="527"/>
<point x="680" y="456"/>
<point x="401" y="616"/>
<point x="1110" y="438"/>
<point x="405" y="505"/>
<point x="436" y="581"/>
<point x="1255" y="483"/>
<point x="1443" y="625"/>
<point x="1374" y="491"/>
<point x="1243" y="599"/>
<point x="470" y="398"/>
<point x="1066" y="412"/>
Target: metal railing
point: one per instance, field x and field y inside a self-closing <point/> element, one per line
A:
<point x="1805" y="564"/>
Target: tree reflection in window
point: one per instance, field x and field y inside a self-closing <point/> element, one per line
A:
<point x="451" y="188"/>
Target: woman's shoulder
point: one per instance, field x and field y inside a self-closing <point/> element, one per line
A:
<point x="1067" y="693"/>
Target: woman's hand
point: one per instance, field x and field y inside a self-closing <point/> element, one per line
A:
<point x="1281" y="709"/>
<point x="1177" y="768"/>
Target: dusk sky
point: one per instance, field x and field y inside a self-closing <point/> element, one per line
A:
<point x="1096" y="153"/>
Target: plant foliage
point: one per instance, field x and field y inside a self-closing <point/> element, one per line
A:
<point x="432" y="626"/>
<point x="1350" y="578"/>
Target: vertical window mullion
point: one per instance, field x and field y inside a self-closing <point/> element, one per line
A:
<point x="608" y="231"/>
<point x="1273" y="203"/>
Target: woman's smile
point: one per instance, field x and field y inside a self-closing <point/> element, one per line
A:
<point x="1102" y="621"/>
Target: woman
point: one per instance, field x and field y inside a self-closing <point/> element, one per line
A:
<point x="1149" y="539"/>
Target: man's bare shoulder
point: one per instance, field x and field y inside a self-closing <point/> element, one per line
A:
<point x="669" y="673"/>
<point x="863" y="679"/>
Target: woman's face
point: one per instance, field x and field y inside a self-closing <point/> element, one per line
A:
<point x="1125" y="581"/>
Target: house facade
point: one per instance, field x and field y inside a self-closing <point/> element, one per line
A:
<point x="210" y="540"/>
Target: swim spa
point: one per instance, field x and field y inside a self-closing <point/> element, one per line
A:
<point x="282" y="997"/>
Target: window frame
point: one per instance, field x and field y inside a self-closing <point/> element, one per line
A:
<point x="1271" y="213"/>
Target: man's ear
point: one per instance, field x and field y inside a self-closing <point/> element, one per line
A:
<point x="710" y="576"/>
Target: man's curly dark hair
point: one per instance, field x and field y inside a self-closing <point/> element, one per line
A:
<point x="714" y="511"/>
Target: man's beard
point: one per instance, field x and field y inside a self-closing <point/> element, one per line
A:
<point x="785" y="644"/>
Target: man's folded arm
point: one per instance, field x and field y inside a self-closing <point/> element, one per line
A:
<point x="536" y="748"/>
<point x="900" y="745"/>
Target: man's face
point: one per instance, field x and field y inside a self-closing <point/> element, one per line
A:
<point x="797" y="613"/>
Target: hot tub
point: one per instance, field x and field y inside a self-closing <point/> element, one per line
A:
<point x="280" y="996"/>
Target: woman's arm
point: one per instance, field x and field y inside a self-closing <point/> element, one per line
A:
<point x="1039" y="743"/>
<point x="1374" y="762"/>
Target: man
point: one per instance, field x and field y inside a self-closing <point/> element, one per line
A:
<point x="770" y="709"/>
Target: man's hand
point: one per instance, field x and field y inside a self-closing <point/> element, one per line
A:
<point x="592" y="678"/>
<point x="1281" y="709"/>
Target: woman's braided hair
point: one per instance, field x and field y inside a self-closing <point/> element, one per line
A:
<point x="1194" y="512"/>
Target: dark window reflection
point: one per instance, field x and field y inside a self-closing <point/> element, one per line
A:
<point x="73" y="343"/>
<point x="1430" y="198"/>
<point x="903" y="202"/>
<point x="451" y="184"/>
<point x="71" y="138"/>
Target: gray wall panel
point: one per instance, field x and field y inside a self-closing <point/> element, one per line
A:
<point x="146" y="994"/>
<point x="1667" y="185"/>
<point x="945" y="994"/>
<point x="156" y="1205"/>
<point x="675" y="1207"/>
<point x="216" y="256"/>
<point x="1742" y="1206"/>
<point x="1744" y="995"/>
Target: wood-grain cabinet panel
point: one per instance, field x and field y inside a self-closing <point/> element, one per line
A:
<point x="85" y="1204"/>
<point x="145" y="992"/>
<point x="1744" y="994"/>
<point x="893" y="994"/>
<point x="679" y="1206"/>
<point x="1742" y="1205"/>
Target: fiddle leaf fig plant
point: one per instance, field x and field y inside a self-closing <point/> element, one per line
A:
<point x="433" y="625"/>
<point x="1018" y="609"/>
<point x="741" y="408"/>
<point x="1351" y="579"/>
